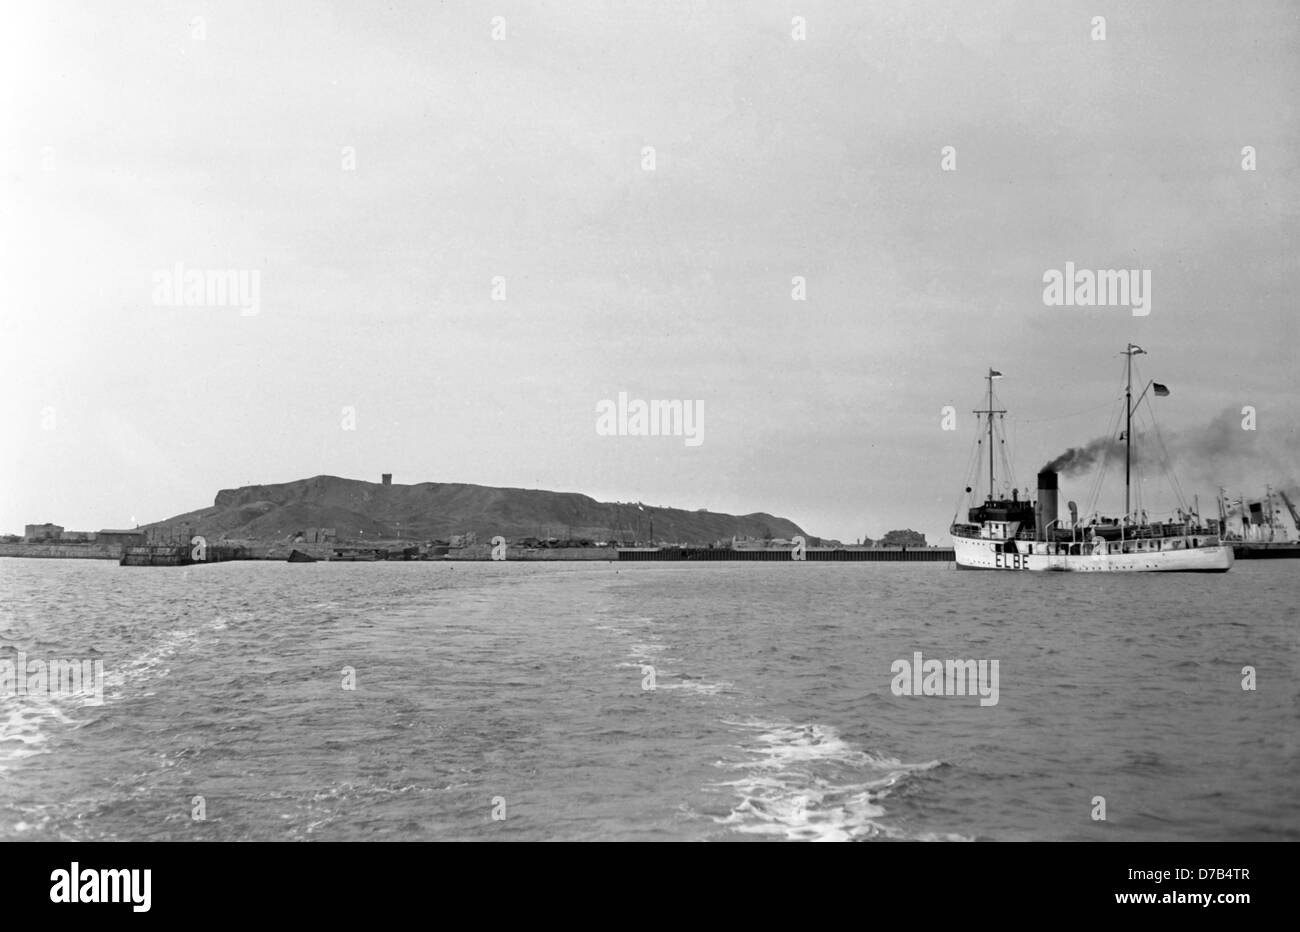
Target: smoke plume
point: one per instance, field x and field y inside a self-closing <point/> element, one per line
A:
<point x="1080" y="459"/>
<point x="1222" y="453"/>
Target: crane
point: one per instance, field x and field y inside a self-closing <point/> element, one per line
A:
<point x="1291" y="508"/>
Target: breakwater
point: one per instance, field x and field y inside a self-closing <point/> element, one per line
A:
<point x="516" y="552"/>
<point x="177" y="555"/>
<point x="811" y="555"/>
<point x="69" y="551"/>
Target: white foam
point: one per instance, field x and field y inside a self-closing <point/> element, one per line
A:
<point x="150" y="665"/>
<point x="804" y="782"/>
<point x="26" y="725"/>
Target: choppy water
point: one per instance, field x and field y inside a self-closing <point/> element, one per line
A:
<point x="485" y="684"/>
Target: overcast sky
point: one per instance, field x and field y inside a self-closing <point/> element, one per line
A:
<point x="137" y="138"/>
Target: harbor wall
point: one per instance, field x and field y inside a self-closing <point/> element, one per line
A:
<point x="545" y="554"/>
<point x="62" y="551"/>
<point x="811" y="555"/>
<point x="279" y="551"/>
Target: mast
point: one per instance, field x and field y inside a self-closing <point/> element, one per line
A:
<point x="990" y="434"/>
<point x="990" y="411"/>
<point x="1128" y="428"/>
<point x="1133" y="350"/>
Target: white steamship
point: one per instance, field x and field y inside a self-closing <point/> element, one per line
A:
<point x="1016" y="534"/>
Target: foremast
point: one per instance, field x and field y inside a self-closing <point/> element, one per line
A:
<point x="990" y="411"/>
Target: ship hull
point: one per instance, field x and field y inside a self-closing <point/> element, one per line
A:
<point x="986" y="554"/>
<point x="1269" y="551"/>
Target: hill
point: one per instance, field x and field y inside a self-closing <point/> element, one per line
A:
<point x="437" y="510"/>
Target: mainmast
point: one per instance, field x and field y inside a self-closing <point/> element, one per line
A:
<point x="1128" y="427"/>
<point x="990" y="411"/>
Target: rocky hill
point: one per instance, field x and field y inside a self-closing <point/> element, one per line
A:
<point x="437" y="510"/>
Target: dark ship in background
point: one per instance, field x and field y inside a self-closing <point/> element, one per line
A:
<point x="1259" y="529"/>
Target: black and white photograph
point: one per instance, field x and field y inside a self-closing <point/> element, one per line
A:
<point x="632" y="421"/>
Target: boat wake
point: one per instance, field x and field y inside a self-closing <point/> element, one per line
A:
<point x="806" y="783"/>
<point x="25" y="728"/>
<point x="139" y="674"/>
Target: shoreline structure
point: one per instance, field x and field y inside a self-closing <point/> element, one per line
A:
<point x="375" y="552"/>
<point x="328" y="518"/>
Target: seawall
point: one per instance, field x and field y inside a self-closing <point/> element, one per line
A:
<point x="62" y="551"/>
<point x="811" y="555"/>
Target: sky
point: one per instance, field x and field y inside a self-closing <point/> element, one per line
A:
<point x="462" y="246"/>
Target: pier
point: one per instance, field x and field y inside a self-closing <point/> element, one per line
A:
<point x="180" y="555"/>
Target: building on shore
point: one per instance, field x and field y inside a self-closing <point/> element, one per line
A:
<point x="40" y="532"/>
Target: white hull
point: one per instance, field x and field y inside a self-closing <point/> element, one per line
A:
<point x="988" y="554"/>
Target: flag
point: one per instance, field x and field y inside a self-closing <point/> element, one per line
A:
<point x="994" y="374"/>
<point x="1159" y="389"/>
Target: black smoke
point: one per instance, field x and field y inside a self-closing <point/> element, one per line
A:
<point x="1080" y="459"/>
<point x="1219" y="453"/>
<point x="1222" y="453"/>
